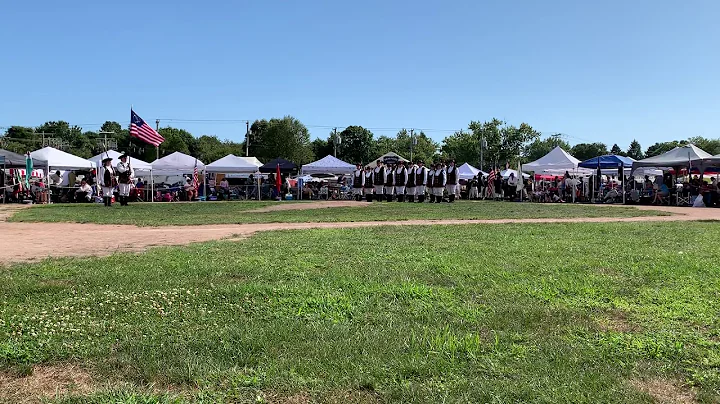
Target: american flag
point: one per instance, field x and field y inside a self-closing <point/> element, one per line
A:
<point x="491" y="183"/>
<point x="141" y="130"/>
<point x="195" y="176"/>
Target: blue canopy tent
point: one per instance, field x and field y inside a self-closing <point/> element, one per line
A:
<point x="609" y="161"/>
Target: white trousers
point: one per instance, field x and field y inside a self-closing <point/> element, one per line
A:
<point x="451" y="188"/>
<point x="420" y="190"/>
<point x="124" y="189"/>
<point x="473" y="193"/>
<point x="368" y="191"/>
<point x="411" y="190"/>
<point x="107" y="191"/>
<point x="389" y="190"/>
<point x="357" y="191"/>
<point x="438" y="191"/>
<point x="378" y="189"/>
<point x="399" y="190"/>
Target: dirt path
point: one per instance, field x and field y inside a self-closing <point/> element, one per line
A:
<point x="22" y="242"/>
<point x="310" y="205"/>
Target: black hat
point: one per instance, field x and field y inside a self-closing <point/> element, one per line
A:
<point x="106" y="159"/>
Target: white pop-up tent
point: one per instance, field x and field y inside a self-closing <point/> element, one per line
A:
<point x="60" y="160"/>
<point x="328" y="164"/>
<point x="558" y="160"/>
<point x="136" y="164"/>
<point x="468" y="172"/>
<point x="506" y="173"/>
<point x="387" y="158"/>
<point x="253" y="160"/>
<point x="683" y="156"/>
<point x="177" y="163"/>
<point x="231" y="164"/>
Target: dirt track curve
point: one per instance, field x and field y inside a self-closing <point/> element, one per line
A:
<point x="37" y="241"/>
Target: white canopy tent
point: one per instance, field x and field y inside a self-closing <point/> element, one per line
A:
<point x="328" y="164"/>
<point x="468" y="172"/>
<point x="387" y="156"/>
<point x="136" y="164"/>
<point x="557" y="160"/>
<point x="253" y="160"/>
<point x="506" y="173"/>
<point x="60" y="160"/>
<point x="177" y="163"/>
<point x="231" y="164"/>
<point x="682" y="156"/>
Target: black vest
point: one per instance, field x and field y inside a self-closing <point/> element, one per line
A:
<point x="108" y="177"/>
<point x="389" y="179"/>
<point x="379" y="176"/>
<point x="452" y="176"/>
<point x="400" y="177"/>
<point x="357" y="179"/>
<point x="411" y="179"/>
<point x="369" y="180"/>
<point x="438" y="179"/>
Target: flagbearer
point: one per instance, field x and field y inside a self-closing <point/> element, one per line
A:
<point x="439" y="182"/>
<point x="389" y="182"/>
<point x="421" y="178"/>
<point x="125" y="175"/>
<point x="358" y="182"/>
<point x="379" y="180"/>
<point x="107" y="180"/>
<point x="410" y="187"/>
<point x="452" y="181"/>
<point x="368" y="187"/>
<point x="401" y="179"/>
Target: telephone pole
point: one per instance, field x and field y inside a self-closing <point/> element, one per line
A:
<point x="247" y="138"/>
<point x="413" y="142"/>
<point x="335" y="142"/>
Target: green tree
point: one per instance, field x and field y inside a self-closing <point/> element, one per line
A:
<point x="209" y="149"/>
<point x="540" y="147"/>
<point x="384" y="144"/>
<point x="20" y="139"/>
<point x="616" y="150"/>
<point x="635" y="150"/>
<point x="711" y="146"/>
<point x="424" y="148"/>
<point x="585" y="151"/>
<point x="287" y="138"/>
<point x="462" y="146"/>
<point x="356" y="145"/>
<point x="662" y="147"/>
<point x="321" y="147"/>
<point x="176" y="140"/>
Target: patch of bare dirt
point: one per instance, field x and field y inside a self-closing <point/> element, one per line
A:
<point x="665" y="391"/>
<point x="45" y="382"/>
<point x="617" y="321"/>
<point x="311" y="205"/>
<point x="23" y="242"/>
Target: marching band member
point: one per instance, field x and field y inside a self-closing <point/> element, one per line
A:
<point x="389" y="178"/>
<point x="430" y="182"/>
<point x="439" y="182"/>
<point x="125" y="173"/>
<point x="379" y="180"/>
<point x="107" y="180"/>
<point x="421" y="178"/>
<point x="358" y="182"/>
<point x="410" y="187"/>
<point x="368" y="187"/>
<point x="451" y="181"/>
<point x="401" y="179"/>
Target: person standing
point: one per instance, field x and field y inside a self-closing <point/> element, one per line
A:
<point x="389" y="178"/>
<point x="497" y="185"/>
<point x="439" y="182"/>
<point x="410" y="187"/>
<point x="451" y="181"/>
<point x="379" y="180"/>
<point x="512" y="186"/>
<point x="400" y="181"/>
<point x="368" y="186"/>
<point x="473" y="188"/>
<point x="107" y="181"/>
<point x="125" y="175"/>
<point x="421" y="178"/>
<point x="431" y="182"/>
<point x="358" y="182"/>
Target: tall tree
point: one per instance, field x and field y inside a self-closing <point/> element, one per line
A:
<point x="356" y="145"/>
<point x="584" y="151"/>
<point x="540" y="147"/>
<point x="635" y="150"/>
<point x="616" y="150"/>
<point x="462" y="146"/>
<point x="424" y="148"/>
<point x="662" y="147"/>
<point x="504" y="143"/>
<point x="711" y="146"/>
<point x="321" y="147"/>
<point x="176" y="140"/>
<point x="385" y="144"/>
<point x="287" y="138"/>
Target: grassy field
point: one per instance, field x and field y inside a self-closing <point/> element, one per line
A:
<point x="514" y="313"/>
<point x="161" y="214"/>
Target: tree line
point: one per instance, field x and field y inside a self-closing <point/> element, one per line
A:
<point x="289" y="138"/>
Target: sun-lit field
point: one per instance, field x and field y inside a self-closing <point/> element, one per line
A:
<point x="163" y="214"/>
<point x="473" y="313"/>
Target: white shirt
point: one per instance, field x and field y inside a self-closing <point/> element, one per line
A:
<point x="85" y="188"/>
<point x="699" y="202"/>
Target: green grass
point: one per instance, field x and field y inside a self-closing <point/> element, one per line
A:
<point x="164" y="214"/>
<point x="512" y="313"/>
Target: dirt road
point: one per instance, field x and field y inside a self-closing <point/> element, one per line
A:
<point x="22" y="242"/>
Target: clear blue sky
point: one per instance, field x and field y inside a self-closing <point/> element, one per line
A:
<point x="603" y="71"/>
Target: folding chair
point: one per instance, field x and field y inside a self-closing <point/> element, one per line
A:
<point x="682" y="200"/>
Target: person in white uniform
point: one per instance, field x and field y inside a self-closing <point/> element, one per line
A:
<point x="451" y="179"/>
<point x="358" y="182"/>
<point x="107" y="180"/>
<point x="439" y="182"/>
<point x="421" y="179"/>
<point x="431" y="182"/>
<point x="368" y="185"/>
<point x="401" y="179"/>
<point x="379" y="180"/>
<point x="410" y="186"/>
<point x="125" y="175"/>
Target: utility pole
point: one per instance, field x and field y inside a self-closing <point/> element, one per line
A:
<point x="483" y="145"/>
<point x="105" y="143"/>
<point x="247" y="138"/>
<point x="413" y="142"/>
<point x="157" y="148"/>
<point x="335" y="142"/>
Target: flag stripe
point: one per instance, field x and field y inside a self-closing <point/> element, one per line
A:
<point x="146" y="134"/>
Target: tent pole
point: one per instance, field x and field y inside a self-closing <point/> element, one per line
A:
<point x="152" y="186"/>
<point x="623" y="182"/>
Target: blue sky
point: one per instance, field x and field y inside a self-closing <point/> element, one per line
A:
<point x="603" y="71"/>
